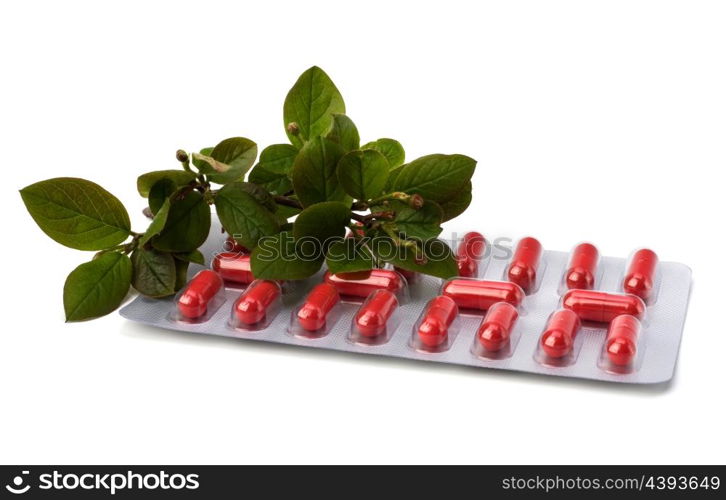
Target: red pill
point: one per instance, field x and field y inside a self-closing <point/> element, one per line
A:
<point x="433" y="330"/>
<point x="319" y="302"/>
<point x="377" y="279"/>
<point x="523" y="268"/>
<point x="496" y="327"/>
<point x="201" y="289"/>
<point x="253" y="304"/>
<point x="602" y="307"/>
<point x="582" y="267"/>
<point x="234" y="267"/>
<point x="621" y="344"/>
<point x="640" y="275"/>
<point x="559" y="335"/>
<point x="373" y="315"/>
<point x="469" y="253"/>
<point x="481" y="294"/>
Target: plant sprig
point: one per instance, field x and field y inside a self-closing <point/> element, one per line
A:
<point x="313" y="189"/>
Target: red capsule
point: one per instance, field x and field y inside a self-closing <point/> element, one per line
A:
<point x="195" y="298"/>
<point x="469" y="253"/>
<point x="582" y="267"/>
<point x="233" y="267"/>
<point x="377" y="279"/>
<point x="252" y="305"/>
<point x="602" y="307"/>
<point x="481" y="294"/>
<point x="373" y="315"/>
<point x="496" y="327"/>
<point x="640" y="277"/>
<point x="523" y="268"/>
<point x="319" y="302"/>
<point x="559" y="335"/>
<point x="621" y="344"/>
<point x="433" y="330"/>
<point x="354" y="275"/>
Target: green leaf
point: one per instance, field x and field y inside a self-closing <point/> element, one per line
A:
<point x="274" y="169"/>
<point x="363" y="174"/>
<point x="274" y="183"/>
<point x="260" y="194"/>
<point x="314" y="172"/>
<point x="157" y="223"/>
<point x="77" y="213"/>
<point x="283" y="257"/>
<point x="194" y="256"/>
<point x="187" y="225"/>
<point x="197" y="162"/>
<point x="154" y="272"/>
<point x="435" y="177"/>
<point x="456" y="206"/>
<point x="322" y="221"/>
<point x="228" y="161"/>
<point x="285" y="212"/>
<point x="424" y="223"/>
<point x="390" y="148"/>
<point x="160" y="192"/>
<point x="243" y="216"/>
<point x="181" y="267"/>
<point x="179" y="177"/>
<point x="441" y="262"/>
<point x="348" y="256"/>
<point x="278" y="158"/>
<point x="97" y="287"/>
<point x="344" y="132"/>
<point x="311" y="104"/>
<point x="392" y="176"/>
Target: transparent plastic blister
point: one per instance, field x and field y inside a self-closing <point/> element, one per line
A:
<point x="475" y="296"/>
<point x="583" y="270"/>
<point x="526" y="267"/>
<point x="199" y="300"/>
<point x="650" y="358"/>
<point x="473" y="253"/>
<point x="635" y="279"/>
<point x="235" y="269"/>
<point x="561" y="340"/>
<point x="623" y="346"/>
<point x="376" y="320"/>
<point x="498" y="333"/>
<point x="355" y="287"/>
<point x="257" y="306"/>
<point x="319" y="312"/>
<point x="437" y="326"/>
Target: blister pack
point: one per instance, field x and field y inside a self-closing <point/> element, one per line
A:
<point x="570" y="314"/>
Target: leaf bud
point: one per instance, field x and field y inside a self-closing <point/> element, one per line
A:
<point x="416" y="201"/>
<point x="182" y="156"/>
<point x="293" y="128"/>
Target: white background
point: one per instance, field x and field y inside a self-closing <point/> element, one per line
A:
<point x="601" y="121"/>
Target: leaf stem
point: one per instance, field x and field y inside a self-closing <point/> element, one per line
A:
<point x="397" y="196"/>
<point x="288" y="202"/>
<point x="366" y="219"/>
<point x="397" y="239"/>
